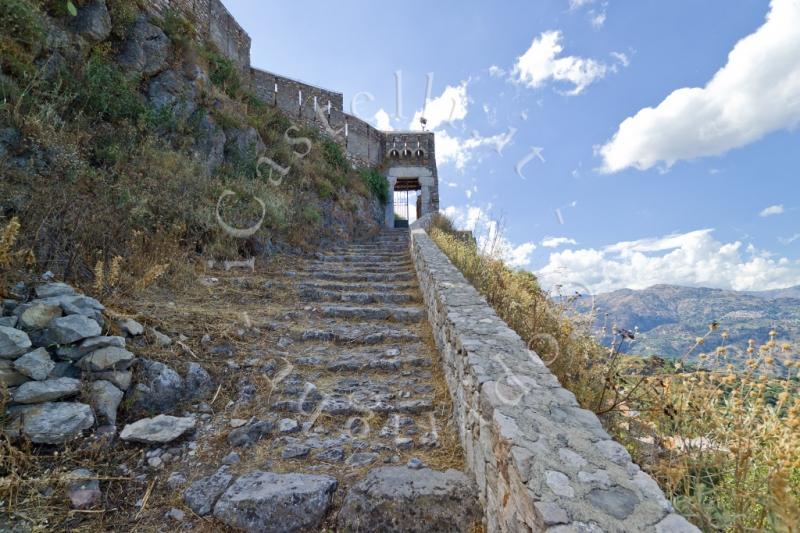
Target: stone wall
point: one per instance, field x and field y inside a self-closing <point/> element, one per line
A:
<point x="541" y="462"/>
<point x="214" y="23"/>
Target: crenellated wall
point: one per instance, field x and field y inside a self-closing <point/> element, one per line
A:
<point x="396" y="153"/>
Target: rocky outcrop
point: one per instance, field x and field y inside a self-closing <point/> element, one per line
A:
<point x="146" y="48"/>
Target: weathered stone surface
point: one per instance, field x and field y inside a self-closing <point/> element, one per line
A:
<point x="83" y="489"/>
<point x="145" y="50"/>
<point x="13" y="342"/>
<point x="55" y="423"/>
<point x="273" y="503"/>
<point x="105" y="399"/>
<point x="49" y="290"/>
<point x="36" y="364"/>
<point x="199" y="383"/>
<point x="69" y="329"/>
<point x="172" y="91"/>
<point x="160" y="389"/>
<point x="10" y="377"/>
<point x="121" y="379"/>
<point x="209" y="146"/>
<point x="37" y="316"/>
<point x="251" y="433"/>
<point x="130" y="327"/>
<point x="403" y="499"/>
<point x="93" y="21"/>
<point x="201" y="495"/>
<point x="109" y="358"/>
<point x="8" y="321"/>
<point x="157" y="430"/>
<point x="675" y="523"/>
<point x="88" y="346"/>
<point x="619" y="502"/>
<point x="160" y="339"/>
<point x="46" y="391"/>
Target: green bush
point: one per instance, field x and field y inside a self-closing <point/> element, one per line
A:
<point x="20" y="20"/>
<point x="179" y="30"/>
<point x="223" y="73"/>
<point x="108" y="93"/>
<point x="376" y="183"/>
<point x="333" y="155"/>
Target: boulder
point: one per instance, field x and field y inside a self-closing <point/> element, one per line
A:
<point x="36" y="364"/>
<point x="159" y="338"/>
<point x="199" y="384"/>
<point x="46" y="391"/>
<point x="203" y="493"/>
<point x="8" y="376"/>
<point x="119" y="378"/>
<point x="251" y="433"/>
<point x="77" y="304"/>
<point x="243" y="143"/>
<point x="272" y="503"/>
<point x="49" y="290"/>
<point x="172" y="91"/>
<point x="130" y="327"/>
<point x="407" y="500"/>
<point x="157" y="430"/>
<point x="92" y="21"/>
<point x="83" y="488"/>
<point x="89" y="345"/>
<point x="38" y="315"/>
<point x="8" y="321"/>
<point x="145" y="50"/>
<point x="209" y="146"/>
<point x="109" y="358"/>
<point x="69" y="329"/>
<point x="13" y="342"/>
<point x="160" y="390"/>
<point x="105" y="399"/>
<point x="54" y="423"/>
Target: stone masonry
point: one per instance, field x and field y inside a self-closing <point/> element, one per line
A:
<point x="541" y="462"/>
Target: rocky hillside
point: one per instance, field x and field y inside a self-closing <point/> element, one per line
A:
<point x="669" y="317"/>
<point x="121" y="131"/>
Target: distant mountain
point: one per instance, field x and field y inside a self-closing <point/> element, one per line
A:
<point x="670" y="317"/>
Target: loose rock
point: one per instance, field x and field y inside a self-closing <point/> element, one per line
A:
<point x="55" y="423"/>
<point x="13" y="342"/>
<point x="203" y="493"/>
<point x="46" y="391"/>
<point x="273" y="503"/>
<point x="69" y="329"/>
<point x="36" y="364"/>
<point x="84" y="489"/>
<point x="157" y="430"/>
<point x="105" y="399"/>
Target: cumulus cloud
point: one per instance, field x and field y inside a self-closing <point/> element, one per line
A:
<point x="771" y="210"/>
<point x="451" y="149"/>
<point x="382" y="120"/>
<point x="789" y="240"/>
<point x="496" y="71"/>
<point x="576" y="4"/>
<point x="597" y="19"/>
<point x="555" y="242"/>
<point x="543" y="62"/>
<point x="448" y="107"/>
<point x="695" y="258"/>
<point x="489" y="235"/>
<point x="755" y="93"/>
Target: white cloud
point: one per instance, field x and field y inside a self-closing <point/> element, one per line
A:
<point x="489" y="235"/>
<point x="541" y="63"/>
<point x="597" y="19"/>
<point x="789" y="240"/>
<point x="459" y="152"/>
<point x="755" y="93"/>
<point x="382" y="120"/>
<point x="555" y="242"/>
<point x="450" y="106"/>
<point x="496" y="71"/>
<point x="576" y="4"/>
<point x="622" y="58"/>
<point x="695" y="258"/>
<point x="771" y="210"/>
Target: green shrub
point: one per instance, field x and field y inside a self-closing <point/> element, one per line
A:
<point x="20" y="21"/>
<point x="376" y="183"/>
<point x="334" y="155"/>
<point x="223" y="72"/>
<point x="179" y="30"/>
<point x="108" y="93"/>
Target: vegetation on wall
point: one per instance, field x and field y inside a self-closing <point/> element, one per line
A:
<point x="722" y="444"/>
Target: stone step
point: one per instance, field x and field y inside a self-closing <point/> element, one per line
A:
<point x="365" y="258"/>
<point x="325" y="285"/>
<point x="355" y="334"/>
<point x="409" y="314"/>
<point x="355" y="276"/>
<point x="335" y="359"/>
<point x="334" y="266"/>
<point x="316" y="294"/>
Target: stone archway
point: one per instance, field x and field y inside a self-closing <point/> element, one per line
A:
<point x="411" y="178"/>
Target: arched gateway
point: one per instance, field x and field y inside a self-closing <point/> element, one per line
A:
<point x="410" y="165"/>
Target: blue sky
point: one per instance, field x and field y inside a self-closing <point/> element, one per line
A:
<point x="702" y="189"/>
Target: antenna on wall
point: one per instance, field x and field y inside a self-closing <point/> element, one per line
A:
<point x="424" y="122"/>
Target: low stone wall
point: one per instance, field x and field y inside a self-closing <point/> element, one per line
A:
<point x="540" y="461"/>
